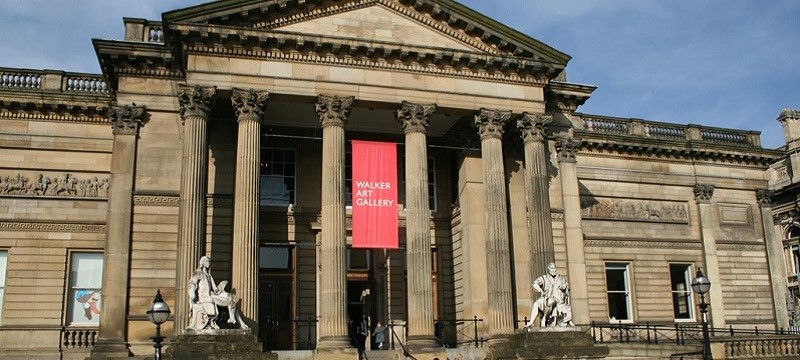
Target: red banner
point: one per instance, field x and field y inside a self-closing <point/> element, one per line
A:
<point x="374" y="195"/>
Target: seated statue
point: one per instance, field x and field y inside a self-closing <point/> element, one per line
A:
<point x="204" y="297"/>
<point x="552" y="307"/>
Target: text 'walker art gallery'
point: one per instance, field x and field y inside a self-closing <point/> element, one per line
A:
<point x="377" y="179"/>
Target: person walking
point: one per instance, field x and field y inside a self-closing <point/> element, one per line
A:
<point x="380" y="335"/>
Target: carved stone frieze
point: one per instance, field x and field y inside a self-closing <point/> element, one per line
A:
<point x="491" y="122"/>
<point x="249" y="103"/>
<point x="156" y="200"/>
<point x="635" y="210"/>
<point x="764" y="197"/>
<point x="196" y="100"/>
<point x="532" y="127"/>
<point x="333" y="109"/>
<point x="63" y="185"/>
<point x="567" y="150"/>
<point x="643" y="243"/>
<point x="415" y="117"/>
<point x="125" y="119"/>
<point x="703" y="193"/>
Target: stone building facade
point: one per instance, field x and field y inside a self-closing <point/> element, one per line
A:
<point x="224" y="130"/>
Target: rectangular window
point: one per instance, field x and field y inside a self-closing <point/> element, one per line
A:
<point x="357" y="259"/>
<point x="3" y="267"/>
<point x="85" y="279"/>
<point x="277" y="176"/>
<point x="275" y="258"/>
<point x="617" y="286"/>
<point x="681" y="291"/>
<point x="795" y="259"/>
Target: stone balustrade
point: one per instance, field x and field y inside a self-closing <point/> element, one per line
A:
<point x="658" y="130"/>
<point x="51" y="80"/>
<point x="143" y="30"/>
<point x="749" y="348"/>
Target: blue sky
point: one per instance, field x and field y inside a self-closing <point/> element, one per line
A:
<point x="725" y="63"/>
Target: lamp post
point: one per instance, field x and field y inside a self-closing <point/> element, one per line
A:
<point x="701" y="285"/>
<point x="158" y="313"/>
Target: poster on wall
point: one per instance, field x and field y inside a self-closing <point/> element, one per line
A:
<point x="374" y="195"/>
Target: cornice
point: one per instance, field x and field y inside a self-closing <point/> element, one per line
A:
<point x="266" y="44"/>
<point x="47" y="105"/>
<point x="565" y="96"/>
<point x="146" y="59"/>
<point x="624" y="146"/>
<point x="642" y="243"/>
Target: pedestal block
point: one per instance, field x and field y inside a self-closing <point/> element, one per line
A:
<point x="549" y="343"/>
<point x="229" y="345"/>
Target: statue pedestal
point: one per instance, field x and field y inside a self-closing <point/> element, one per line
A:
<point x="235" y="344"/>
<point x="548" y="343"/>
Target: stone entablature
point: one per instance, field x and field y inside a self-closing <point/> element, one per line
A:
<point x="51" y="95"/>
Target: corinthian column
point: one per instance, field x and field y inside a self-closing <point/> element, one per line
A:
<point x="415" y="118"/>
<point x="125" y="121"/>
<point x="333" y="112"/>
<point x="777" y="266"/>
<point x="249" y="106"/>
<point x="708" y="227"/>
<point x="576" y="260"/>
<point x="196" y="102"/>
<point x="490" y="124"/>
<point x="537" y="192"/>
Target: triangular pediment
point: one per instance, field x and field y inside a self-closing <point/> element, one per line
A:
<point x="380" y="24"/>
<point x="438" y="24"/>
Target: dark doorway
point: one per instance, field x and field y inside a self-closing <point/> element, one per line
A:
<point x="276" y="328"/>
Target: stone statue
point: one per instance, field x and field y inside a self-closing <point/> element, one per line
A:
<point x="204" y="297"/>
<point x="552" y="307"/>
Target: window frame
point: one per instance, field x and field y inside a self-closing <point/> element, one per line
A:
<point x="626" y="267"/>
<point x="689" y="294"/>
<point x="69" y="299"/>
<point x="261" y="175"/>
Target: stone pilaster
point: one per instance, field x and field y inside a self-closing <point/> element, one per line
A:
<point x="490" y="124"/>
<point x="195" y="109"/>
<point x="249" y="106"/>
<point x="573" y="229"/>
<point x="333" y="112"/>
<point x="415" y="119"/>
<point x="537" y="191"/>
<point x="708" y="225"/>
<point x="775" y="259"/>
<point x="112" y="342"/>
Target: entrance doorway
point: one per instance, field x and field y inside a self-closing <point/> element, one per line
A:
<point x="276" y="328"/>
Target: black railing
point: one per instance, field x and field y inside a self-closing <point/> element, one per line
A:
<point x="459" y="332"/>
<point x="679" y="334"/>
<point x="293" y="334"/>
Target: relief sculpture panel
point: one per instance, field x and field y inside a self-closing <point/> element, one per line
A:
<point x="634" y="210"/>
<point x="65" y="184"/>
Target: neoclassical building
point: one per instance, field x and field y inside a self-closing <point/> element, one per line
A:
<point x="225" y="128"/>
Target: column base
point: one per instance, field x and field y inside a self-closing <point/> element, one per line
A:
<point x="334" y="342"/>
<point x="422" y="342"/>
<point x="109" y="349"/>
<point x="331" y="353"/>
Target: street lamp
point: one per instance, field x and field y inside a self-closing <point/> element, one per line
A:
<point x="158" y="313"/>
<point x="701" y="285"/>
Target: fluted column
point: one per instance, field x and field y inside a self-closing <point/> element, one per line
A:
<point x="537" y="191"/>
<point x="333" y="112"/>
<point x="125" y="121"/>
<point x="490" y="124"/>
<point x="249" y="106"/>
<point x="415" y="119"/>
<point x="708" y="227"/>
<point x="195" y="109"/>
<point x="573" y="230"/>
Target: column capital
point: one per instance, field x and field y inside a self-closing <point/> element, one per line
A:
<point x="764" y="197"/>
<point x="196" y="100"/>
<point x="703" y="193"/>
<point x="125" y="119"/>
<point x="532" y="126"/>
<point x="567" y="150"/>
<point x="249" y="103"/>
<point x="333" y="109"/>
<point x="415" y="117"/>
<point x="490" y="122"/>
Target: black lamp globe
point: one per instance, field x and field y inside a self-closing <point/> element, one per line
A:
<point x="158" y="313"/>
<point x="701" y="284"/>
